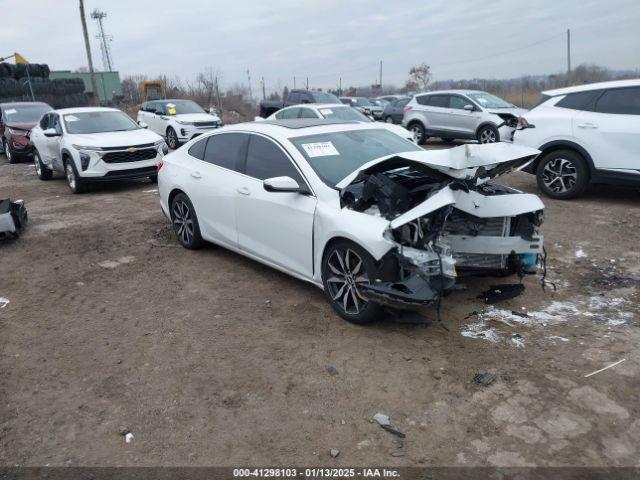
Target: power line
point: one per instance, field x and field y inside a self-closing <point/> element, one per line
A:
<point x="506" y="52"/>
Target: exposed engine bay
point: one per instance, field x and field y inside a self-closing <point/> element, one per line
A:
<point x="445" y="223"/>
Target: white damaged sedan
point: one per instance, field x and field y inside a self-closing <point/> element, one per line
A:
<point x="369" y="217"/>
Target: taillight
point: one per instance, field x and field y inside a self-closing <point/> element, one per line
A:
<point x="407" y="108"/>
<point x="160" y="165"/>
<point x="522" y="124"/>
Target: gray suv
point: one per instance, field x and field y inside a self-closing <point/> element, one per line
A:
<point x="460" y="114"/>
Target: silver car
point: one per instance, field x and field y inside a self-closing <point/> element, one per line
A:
<point x="460" y="114"/>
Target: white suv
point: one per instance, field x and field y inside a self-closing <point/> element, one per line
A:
<point x="587" y="134"/>
<point x="462" y="114"/>
<point x="177" y="120"/>
<point x="94" y="144"/>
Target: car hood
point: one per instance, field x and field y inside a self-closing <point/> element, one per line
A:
<point x="470" y="162"/>
<point x="196" y="117"/>
<point x="115" y="139"/>
<point x="515" y="111"/>
<point x="21" y="126"/>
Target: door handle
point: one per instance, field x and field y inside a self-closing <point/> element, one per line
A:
<point x="196" y="175"/>
<point x="243" y="191"/>
<point x="587" y="125"/>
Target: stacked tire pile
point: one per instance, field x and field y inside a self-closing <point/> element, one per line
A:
<point x="18" y="81"/>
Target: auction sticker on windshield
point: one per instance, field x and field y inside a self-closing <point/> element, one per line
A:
<point x="326" y="111"/>
<point x="320" y="149"/>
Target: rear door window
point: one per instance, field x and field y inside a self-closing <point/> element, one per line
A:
<point x="226" y="150"/>
<point x="580" y="100"/>
<point x="423" y="99"/>
<point x="622" y="101"/>
<point x="440" y="101"/>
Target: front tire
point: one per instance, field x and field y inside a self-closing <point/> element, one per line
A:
<point x="345" y="266"/>
<point x="419" y="134"/>
<point x="76" y="185"/>
<point x="488" y="134"/>
<point x="172" y="139"/>
<point x="42" y="171"/>
<point x="185" y="222"/>
<point x="8" y="153"/>
<point x="562" y="174"/>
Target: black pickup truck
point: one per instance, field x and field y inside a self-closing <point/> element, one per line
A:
<point x="295" y="97"/>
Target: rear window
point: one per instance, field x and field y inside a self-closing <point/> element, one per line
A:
<point x="580" y="100"/>
<point x="622" y="101"/>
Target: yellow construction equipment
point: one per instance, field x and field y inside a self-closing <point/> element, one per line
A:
<point x="152" y="90"/>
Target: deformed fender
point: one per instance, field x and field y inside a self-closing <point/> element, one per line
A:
<point x="329" y="225"/>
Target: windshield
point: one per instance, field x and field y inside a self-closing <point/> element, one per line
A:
<point x="487" y="100"/>
<point x="321" y="97"/>
<point x="98" y="122"/>
<point x="344" y="113"/>
<point x="335" y="155"/>
<point x="178" y="107"/>
<point x="25" y="113"/>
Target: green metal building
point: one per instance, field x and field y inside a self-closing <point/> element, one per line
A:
<point x="109" y="86"/>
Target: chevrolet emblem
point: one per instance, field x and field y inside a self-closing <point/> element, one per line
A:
<point x="132" y="149"/>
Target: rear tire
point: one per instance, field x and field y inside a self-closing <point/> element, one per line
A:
<point x="42" y="171"/>
<point x="419" y="134"/>
<point x="153" y="178"/>
<point x="185" y="222"/>
<point x="345" y="265"/>
<point x="388" y="119"/>
<point x="562" y="174"/>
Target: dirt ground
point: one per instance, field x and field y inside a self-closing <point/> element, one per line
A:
<point x="208" y="358"/>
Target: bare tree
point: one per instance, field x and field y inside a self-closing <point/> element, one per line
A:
<point x="419" y="77"/>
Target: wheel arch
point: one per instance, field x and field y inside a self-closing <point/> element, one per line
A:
<point x="561" y="145"/>
<point x="487" y="123"/>
<point x="172" y="195"/>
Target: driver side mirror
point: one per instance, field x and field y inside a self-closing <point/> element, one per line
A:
<point x="143" y="125"/>
<point x="51" y="132"/>
<point x="469" y="108"/>
<point x="281" y="184"/>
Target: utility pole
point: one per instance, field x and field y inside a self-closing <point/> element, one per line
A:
<point x="264" y="94"/>
<point x="105" y="49"/>
<point x="568" y="51"/>
<point x="380" y="82"/>
<point x="87" y="46"/>
<point x="340" y="88"/>
<point x="249" y="79"/>
<point x="307" y="83"/>
<point x="294" y="82"/>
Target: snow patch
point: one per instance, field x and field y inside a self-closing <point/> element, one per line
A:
<point x="580" y="253"/>
<point x="480" y="330"/>
<point x="4" y="302"/>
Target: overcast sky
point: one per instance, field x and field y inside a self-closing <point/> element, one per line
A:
<point x="280" y="39"/>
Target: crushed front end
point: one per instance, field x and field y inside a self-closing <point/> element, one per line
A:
<point x="442" y="228"/>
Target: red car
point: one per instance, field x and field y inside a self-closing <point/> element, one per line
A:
<point x="16" y="121"/>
